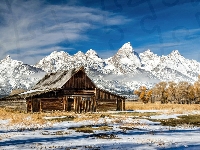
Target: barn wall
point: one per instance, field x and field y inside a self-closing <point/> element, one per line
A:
<point x="108" y="101"/>
<point x="18" y="105"/>
<point x="52" y="104"/>
<point x="85" y="104"/>
<point x="106" y="105"/>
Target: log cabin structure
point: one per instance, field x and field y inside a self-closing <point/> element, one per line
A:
<point x="70" y="90"/>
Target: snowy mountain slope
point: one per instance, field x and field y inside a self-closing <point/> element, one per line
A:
<point x="149" y="60"/>
<point x="63" y="61"/>
<point x="14" y="74"/>
<point x="123" y="72"/>
<point x="171" y="67"/>
<point x="126" y="60"/>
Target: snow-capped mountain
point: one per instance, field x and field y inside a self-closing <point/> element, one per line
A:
<point x="14" y="74"/>
<point x="63" y="61"/>
<point x="171" y="67"/>
<point x="124" y="72"/>
<point x="126" y="60"/>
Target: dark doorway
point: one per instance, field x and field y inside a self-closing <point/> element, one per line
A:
<point x="70" y="105"/>
<point x="36" y="105"/>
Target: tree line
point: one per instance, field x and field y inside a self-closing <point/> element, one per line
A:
<point x="171" y="92"/>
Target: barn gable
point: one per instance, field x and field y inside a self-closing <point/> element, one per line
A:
<point x="79" y="81"/>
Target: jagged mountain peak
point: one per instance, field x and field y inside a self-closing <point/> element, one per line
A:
<point x="149" y="60"/>
<point x="126" y="48"/>
<point x="8" y="57"/>
<point x="148" y="51"/>
<point x="9" y="60"/>
<point x="79" y="53"/>
<point x="174" y="56"/>
<point x="126" y="59"/>
<point x="58" y="53"/>
<point x="127" y="51"/>
<point x="149" y="54"/>
<point x="127" y="45"/>
<point x="91" y="52"/>
<point x="175" y="53"/>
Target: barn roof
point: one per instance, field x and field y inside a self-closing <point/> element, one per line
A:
<point x="56" y="80"/>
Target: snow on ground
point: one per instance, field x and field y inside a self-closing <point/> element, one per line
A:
<point x="123" y="133"/>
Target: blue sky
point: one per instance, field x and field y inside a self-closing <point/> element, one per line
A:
<point x="32" y="29"/>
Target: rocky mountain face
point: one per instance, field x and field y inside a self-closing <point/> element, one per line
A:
<point x="122" y="73"/>
<point x="16" y="75"/>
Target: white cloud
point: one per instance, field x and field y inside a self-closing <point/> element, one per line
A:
<point x="30" y="27"/>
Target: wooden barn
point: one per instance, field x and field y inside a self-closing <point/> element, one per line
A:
<point x="70" y="90"/>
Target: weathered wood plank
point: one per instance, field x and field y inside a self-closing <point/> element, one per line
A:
<point x="18" y="105"/>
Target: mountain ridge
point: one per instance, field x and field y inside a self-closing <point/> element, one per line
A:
<point x="124" y="71"/>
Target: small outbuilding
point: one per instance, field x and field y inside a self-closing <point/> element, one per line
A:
<point x="70" y="90"/>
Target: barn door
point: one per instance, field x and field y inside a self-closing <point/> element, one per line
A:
<point x="36" y="105"/>
<point x="70" y="104"/>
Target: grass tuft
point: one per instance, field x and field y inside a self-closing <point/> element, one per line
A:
<point x="105" y="136"/>
<point x="192" y="120"/>
<point x="91" y="128"/>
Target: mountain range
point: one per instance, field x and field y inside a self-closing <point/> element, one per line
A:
<point x="121" y="73"/>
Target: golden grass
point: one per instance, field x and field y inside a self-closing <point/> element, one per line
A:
<point x="157" y="106"/>
<point x="21" y="118"/>
<point x="91" y="129"/>
<point x="190" y="120"/>
<point x="31" y="119"/>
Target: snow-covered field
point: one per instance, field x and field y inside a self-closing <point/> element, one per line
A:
<point x="113" y="131"/>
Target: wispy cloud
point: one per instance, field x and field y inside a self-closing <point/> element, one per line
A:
<point x="35" y="28"/>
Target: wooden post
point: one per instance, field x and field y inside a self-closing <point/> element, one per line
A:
<point x="84" y="106"/>
<point x="124" y="103"/>
<point x="81" y="104"/>
<point x="40" y="105"/>
<point x="31" y="105"/>
<point x="95" y="104"/>
<point x="78" y="105"/>
<point x="75" y="104"/>
<point x="89" y="104"/>
<point x="64" y="103"/>
<point x="26" y="106"/>
<point x="67" y="104"/>
<point x="121" y="104"/>
<point x="95" y="96"/>
<point x="92" y="104"/>
<point x="118" y="105"/>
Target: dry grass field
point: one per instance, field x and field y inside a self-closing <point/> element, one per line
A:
<point x="28" y="119"/>
<point x="176" y="108"/>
